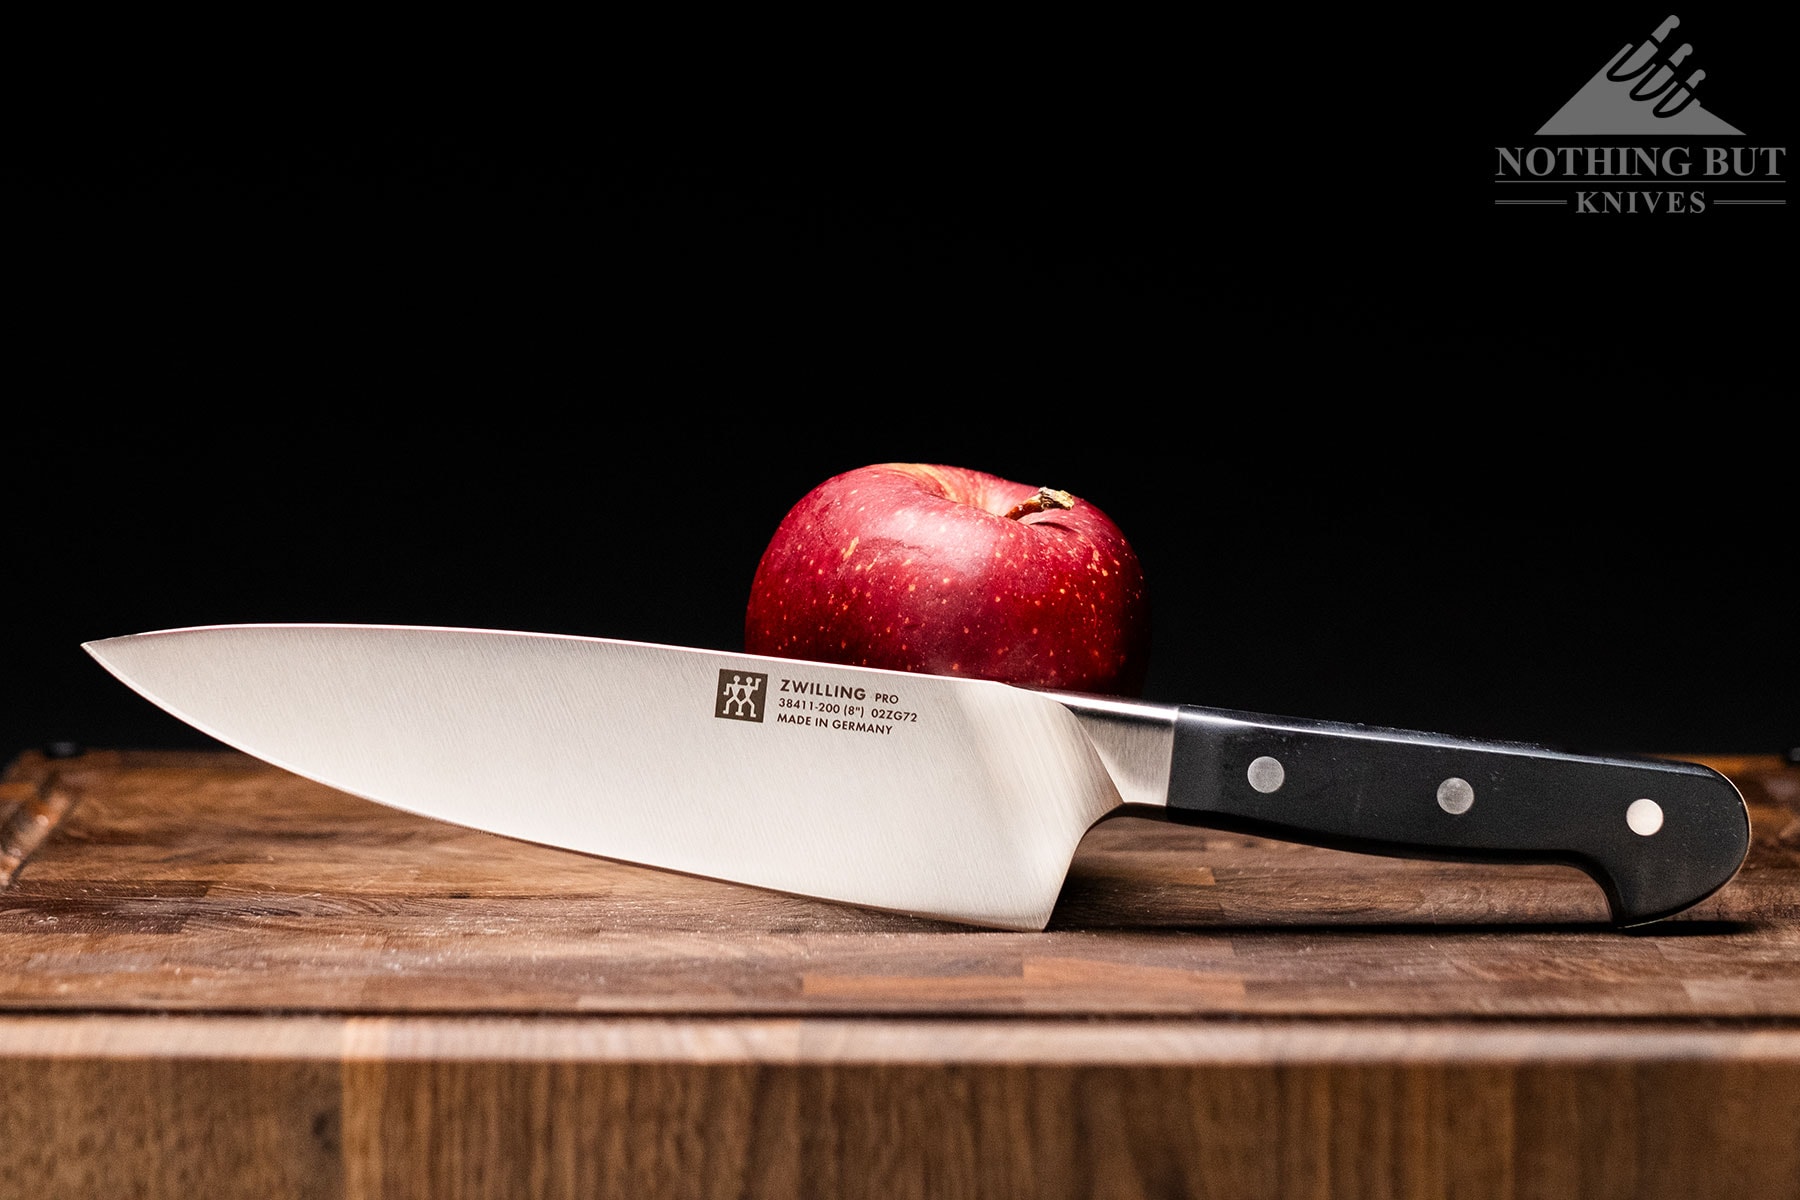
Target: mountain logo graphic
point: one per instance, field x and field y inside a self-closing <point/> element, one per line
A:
<point x="1647" y="88"/>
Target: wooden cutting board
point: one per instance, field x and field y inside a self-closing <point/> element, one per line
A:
<point x="217" y="978"/>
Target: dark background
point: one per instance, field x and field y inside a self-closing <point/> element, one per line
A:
<point x="548" y="332"/>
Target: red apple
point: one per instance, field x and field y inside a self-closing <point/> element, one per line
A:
<point x="948" y="571"/>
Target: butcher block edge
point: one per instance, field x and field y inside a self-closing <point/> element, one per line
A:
<point x="124" y="1098"/>
<point x="358" y="1107"/>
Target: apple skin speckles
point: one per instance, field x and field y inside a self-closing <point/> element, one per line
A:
<point x="943" y="575"/>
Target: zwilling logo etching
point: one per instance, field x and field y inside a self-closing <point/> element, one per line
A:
<point x="740" y="695"/>
<point x="1648" y="90"/>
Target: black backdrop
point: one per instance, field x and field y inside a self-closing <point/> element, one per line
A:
<point x="549" y="333"/>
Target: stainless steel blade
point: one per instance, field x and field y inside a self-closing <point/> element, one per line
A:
<point x="958" y="799"/>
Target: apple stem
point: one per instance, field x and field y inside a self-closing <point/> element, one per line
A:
<point x="1045" y="498"/>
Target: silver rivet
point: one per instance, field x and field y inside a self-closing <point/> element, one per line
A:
<point x="1455" y="796"/>
<point x="1266" y="774"/>
<point x="1644" y="817"/>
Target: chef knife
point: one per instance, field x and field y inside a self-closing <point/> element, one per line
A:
<point x="939" y="796"/>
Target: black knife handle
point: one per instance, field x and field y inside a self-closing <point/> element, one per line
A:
<point x="1657" y="836"/>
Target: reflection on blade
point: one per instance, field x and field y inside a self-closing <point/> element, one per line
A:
<point x="951" y="798"/>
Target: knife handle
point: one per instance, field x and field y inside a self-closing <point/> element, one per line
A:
<point x="1657" y="836"/>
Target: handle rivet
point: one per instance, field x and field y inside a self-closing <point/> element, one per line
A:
<point x="1266" y="774"/>
<point x="1455" y="796"/>
<point x="1644" y="817"/>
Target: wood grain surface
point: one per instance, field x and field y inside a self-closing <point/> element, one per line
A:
<point x="218" y="979"/>
<point x="217" y="883"/>
<point x="435" y="1107"/>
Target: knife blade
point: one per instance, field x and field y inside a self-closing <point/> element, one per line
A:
<point x="952" y="798"/>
